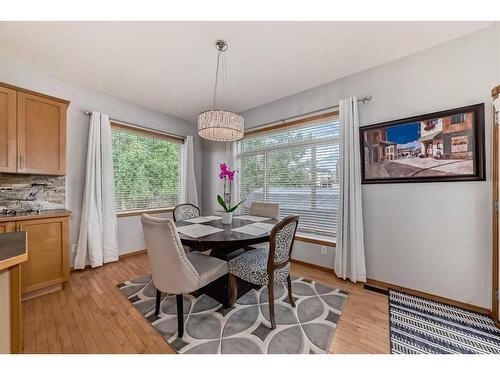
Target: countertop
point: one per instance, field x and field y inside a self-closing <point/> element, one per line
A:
<point x="45" y="214"/>
<point x="13" y="249"/>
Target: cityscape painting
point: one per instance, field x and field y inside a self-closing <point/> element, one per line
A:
<point x="442" y="146"/>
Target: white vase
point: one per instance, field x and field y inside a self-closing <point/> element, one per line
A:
<point x="227" y="217"/>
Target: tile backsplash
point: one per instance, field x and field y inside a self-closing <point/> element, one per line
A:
<point x="53" y="195"/>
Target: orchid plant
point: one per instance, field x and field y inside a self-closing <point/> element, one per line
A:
<point x="228" y="176"/>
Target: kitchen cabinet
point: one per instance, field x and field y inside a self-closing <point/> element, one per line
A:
<point x="8" y="226"/>
<point x="32" y="132"/>
<point x="12" y="255"/>
<point x="47" y="267"/>
<point x="8" y="129"/>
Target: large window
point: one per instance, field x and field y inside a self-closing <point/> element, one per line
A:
<point x="295" y="166"/>
<point x="147" y="169"/>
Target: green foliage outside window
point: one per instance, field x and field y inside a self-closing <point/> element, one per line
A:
<point x="147" y="170"/>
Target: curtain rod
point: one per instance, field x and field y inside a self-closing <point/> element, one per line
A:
<point x="364" y="99"/>
<point x="139" y="127"/>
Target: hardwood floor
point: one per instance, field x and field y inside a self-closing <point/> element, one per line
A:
<point x="90" y="315"/>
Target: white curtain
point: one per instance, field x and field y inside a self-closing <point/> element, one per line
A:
<point x="350" y="250"/>
<point x="189" y="193"/>
<point x="232" y="162"/>
<point x="98" y="240"/>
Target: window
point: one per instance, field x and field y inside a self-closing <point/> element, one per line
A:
<point x="459" y="144"/>
<point x="295" y="166"/>
<point x="458" y="118"/>
<point x="147" y="169"/>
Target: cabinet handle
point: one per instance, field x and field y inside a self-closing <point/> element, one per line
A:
<point x="21" y="165"/>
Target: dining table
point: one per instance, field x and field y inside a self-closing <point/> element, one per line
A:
<point x="224" y="241"/>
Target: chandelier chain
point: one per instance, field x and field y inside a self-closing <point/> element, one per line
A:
<point x="216" y="78"/>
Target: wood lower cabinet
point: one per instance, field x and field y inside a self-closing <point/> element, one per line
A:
<point x="47" y="264"/>
<point x="6" y="227"/>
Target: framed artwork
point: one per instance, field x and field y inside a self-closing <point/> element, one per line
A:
<point x="436" y="147"/>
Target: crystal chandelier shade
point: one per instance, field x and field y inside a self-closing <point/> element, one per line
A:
<point x="220" y="125"/>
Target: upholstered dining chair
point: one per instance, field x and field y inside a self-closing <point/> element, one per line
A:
<point x="174" y="271"/>
<point x="264" y="209"/>
<point x="186" y="211"/>
<point x="269" y="267"/>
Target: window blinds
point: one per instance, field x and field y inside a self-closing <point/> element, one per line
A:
<point x="147" y="169"/>
<point x="297" y="168"/>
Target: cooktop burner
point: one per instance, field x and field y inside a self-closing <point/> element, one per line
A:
<point x="11" y="212"/>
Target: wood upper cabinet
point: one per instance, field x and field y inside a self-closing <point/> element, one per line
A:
<point x="8" y="130"/>
<point x="47" y="263"/>
<point x="32" y="132"/>
<point x="41" y="135"/>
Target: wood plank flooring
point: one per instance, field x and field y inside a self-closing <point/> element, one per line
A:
<point x="90" y="315"/>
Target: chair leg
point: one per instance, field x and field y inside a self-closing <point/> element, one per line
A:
<point x="270" y="292"/>
<point x="233" y="289"/>
<point x="180" y="316"/>
<point x="158" y="301"/>
<point x="290" y="298"/>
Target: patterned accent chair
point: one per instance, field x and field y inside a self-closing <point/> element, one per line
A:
<point x="186" y="211"/>
<point x="267" y="266"/>
<point x="174" y="271"/>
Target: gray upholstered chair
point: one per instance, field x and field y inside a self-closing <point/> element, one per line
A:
<point x="174" y="271"/>
<point x="267" y="266"/>
<point x="186" y="211"/>
<point x="264" y="209"/>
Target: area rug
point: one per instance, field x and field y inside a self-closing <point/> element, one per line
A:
<point x="211" y="329"/>
<point x="420" y="326"/>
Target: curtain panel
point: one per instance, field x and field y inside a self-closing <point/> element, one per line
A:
<point x="98" y="239"/>
<point x="350" y="249"/>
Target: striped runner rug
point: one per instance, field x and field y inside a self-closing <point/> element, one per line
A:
<point x="420" y="326"/>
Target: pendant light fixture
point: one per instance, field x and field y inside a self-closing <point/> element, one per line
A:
<point x="216" y="124"/>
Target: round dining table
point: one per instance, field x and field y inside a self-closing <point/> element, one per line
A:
<point x="227" y="243"/>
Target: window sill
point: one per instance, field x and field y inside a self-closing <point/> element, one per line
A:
<point x="140" y="212"/>
<point x="316" y="240"/>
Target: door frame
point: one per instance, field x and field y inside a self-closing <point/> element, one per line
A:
<point x="495" y="93"/>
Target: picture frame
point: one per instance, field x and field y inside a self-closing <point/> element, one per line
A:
<point x="442" y="146"/>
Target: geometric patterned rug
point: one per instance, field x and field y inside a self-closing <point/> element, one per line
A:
<point x="420" y="326"/>
<point x="209" y="328"/>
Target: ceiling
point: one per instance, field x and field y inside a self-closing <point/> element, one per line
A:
<point x="170" y="66"/>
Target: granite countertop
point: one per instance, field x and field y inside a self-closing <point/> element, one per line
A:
<point x="44" y="214"/>
<point x="13" y="249"/>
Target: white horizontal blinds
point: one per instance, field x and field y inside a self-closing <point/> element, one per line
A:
<point x="297" y="168"/>
<point x="147" y="169"/>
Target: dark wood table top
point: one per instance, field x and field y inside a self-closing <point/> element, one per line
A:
<point x="226" y="239"/>
<point x="13" y="249"/>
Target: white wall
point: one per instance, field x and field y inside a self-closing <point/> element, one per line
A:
<point x="434" y="237"/>
<point x="83" y="99"/>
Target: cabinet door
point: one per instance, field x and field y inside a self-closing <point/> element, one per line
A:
<point x="47" y="253"/>
<point x="9" y="226"/>
<point x="41" y="135"/>
<point x="8" y="143"/>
